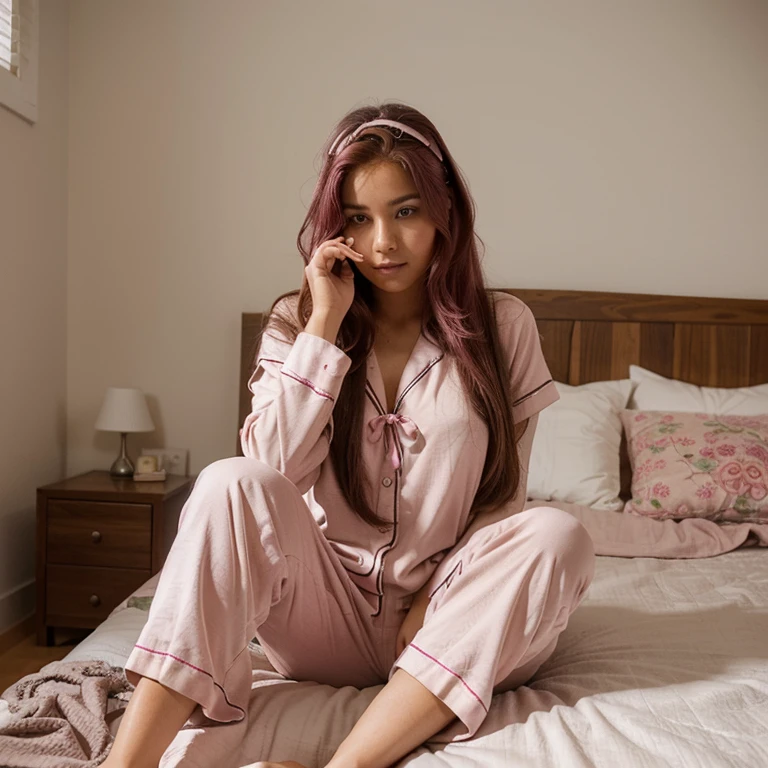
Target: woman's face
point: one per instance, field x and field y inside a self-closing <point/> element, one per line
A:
<point x="384" y="214"/>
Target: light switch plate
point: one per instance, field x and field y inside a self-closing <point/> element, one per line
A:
<point x="172" y="460"/>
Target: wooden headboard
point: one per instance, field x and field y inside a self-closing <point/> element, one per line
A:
<point x="591" y="336"/>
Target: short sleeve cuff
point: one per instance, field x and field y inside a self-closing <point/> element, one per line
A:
<point x="317" y="363"/>
<point x="536" y="400"/>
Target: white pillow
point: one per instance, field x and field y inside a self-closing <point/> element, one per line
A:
<point x="575" y="452"/>
<point x="654" y="392"/>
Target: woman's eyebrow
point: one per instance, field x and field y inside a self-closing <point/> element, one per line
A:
<point x="396" y="201"/>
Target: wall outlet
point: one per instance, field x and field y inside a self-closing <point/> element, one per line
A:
<point x="172" y="460"/>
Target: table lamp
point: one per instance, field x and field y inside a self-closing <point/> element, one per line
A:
<point x="124" y="410"/>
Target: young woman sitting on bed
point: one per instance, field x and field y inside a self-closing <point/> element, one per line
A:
<point x="373" y="531"/>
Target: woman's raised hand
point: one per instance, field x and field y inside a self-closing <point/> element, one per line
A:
<point x="333" y="290"/>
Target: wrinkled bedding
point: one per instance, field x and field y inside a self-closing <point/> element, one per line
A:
<point x="664" y="663"/>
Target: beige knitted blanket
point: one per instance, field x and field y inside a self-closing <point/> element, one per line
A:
<point x="60" y="716"/>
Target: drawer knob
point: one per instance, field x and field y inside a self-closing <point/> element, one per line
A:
<point x="96" y="537"/>
<point x="95" y="601"/>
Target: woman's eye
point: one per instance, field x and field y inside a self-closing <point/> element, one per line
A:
<point x="354" y="218"/>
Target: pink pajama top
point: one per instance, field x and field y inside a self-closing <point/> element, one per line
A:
<point x="424" y="460"/>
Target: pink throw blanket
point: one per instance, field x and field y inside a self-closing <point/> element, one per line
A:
<point x="60" y="716"/>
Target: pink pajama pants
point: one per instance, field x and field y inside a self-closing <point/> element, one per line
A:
<point x="250" y="560"/>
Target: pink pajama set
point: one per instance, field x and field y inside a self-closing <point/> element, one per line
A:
<point x="268" y="547"/>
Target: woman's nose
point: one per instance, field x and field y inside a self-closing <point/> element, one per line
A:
<point x="384" y="237"/>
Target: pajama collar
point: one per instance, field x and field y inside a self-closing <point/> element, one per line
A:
<point x="396" y="428"/>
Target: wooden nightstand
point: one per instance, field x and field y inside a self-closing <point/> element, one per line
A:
<point x="98" y="539"/>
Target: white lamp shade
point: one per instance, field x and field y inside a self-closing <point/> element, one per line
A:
<point x="124" y="410"/>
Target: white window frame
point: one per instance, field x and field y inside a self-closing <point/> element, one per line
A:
<point x="19" y="93"/>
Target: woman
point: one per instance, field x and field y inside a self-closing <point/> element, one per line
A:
<point x="373" y="531"/>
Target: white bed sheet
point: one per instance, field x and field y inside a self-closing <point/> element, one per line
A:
<point x="665" y="663"/>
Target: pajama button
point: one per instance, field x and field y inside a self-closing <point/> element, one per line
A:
<point x="386" y="482"/>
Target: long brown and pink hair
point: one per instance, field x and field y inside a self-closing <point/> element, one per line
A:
<point x="459" y="312"/>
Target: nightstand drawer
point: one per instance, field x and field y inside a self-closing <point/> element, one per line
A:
<point x="118" y="535"/>
<point x="82" y="595"/>
<point x="99" y="538"/>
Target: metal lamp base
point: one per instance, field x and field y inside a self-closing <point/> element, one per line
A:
<point x="123" y="466"/>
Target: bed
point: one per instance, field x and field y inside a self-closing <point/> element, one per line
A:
<point x="664" y="663"/>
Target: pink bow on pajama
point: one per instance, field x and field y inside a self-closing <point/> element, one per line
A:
<point x="376" y="427"/>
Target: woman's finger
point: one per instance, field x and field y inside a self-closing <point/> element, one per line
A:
<point x="338" y="254"/>
<point x="340" y="245"/>
<point x="354" y="255"/>
<point x="342" y="253"/>
<point x="328" y="253"/>
<point x="345" y="246"/>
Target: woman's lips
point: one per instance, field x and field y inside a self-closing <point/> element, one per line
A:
<point x="389" y="270"/>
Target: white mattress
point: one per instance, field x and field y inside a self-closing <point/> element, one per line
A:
<point x="665" y="663"/>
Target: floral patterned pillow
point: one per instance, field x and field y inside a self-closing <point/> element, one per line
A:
<point x="698" y="465"/>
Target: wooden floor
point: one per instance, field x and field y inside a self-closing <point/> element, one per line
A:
<point x="26" y="657"/>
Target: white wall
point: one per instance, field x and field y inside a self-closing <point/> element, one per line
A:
<point x="33" y="313"/>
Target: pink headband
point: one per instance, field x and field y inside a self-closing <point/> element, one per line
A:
<point x="392" y="124"/>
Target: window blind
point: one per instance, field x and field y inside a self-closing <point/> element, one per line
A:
<point x="15" y="25"/>
<point x="19" y="53"/>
